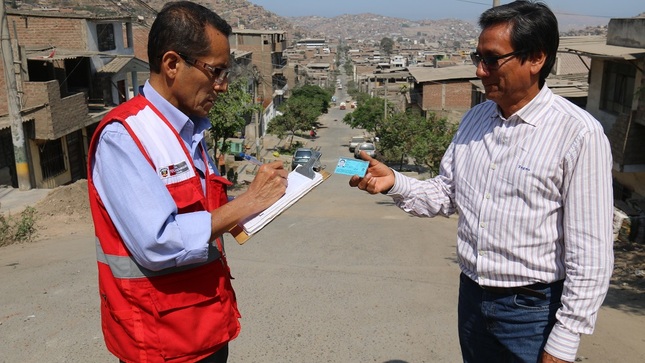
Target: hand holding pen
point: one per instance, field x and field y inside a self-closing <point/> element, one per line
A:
<point x="250" y="158"/>
<point x="269" y="184"/>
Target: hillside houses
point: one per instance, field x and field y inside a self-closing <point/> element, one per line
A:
<point x="75" y="68"/>
<point x="70" y="71"/>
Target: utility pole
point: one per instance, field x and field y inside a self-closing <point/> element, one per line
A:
<point x="17" y="132"/>
<point x="256" y="114"/>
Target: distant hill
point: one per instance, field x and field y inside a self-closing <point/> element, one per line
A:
<point x="245" y="14"/>
<point x="239" y="13"/>
<point x="375" y="27"/>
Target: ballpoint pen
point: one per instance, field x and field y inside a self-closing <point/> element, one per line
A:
<point x="250" y="158"/>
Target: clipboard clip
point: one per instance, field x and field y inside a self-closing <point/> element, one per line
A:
<point x="307" y="169"/>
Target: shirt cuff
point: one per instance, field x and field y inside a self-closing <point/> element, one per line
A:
<point x="562" y="343"/>
<point x="401" y="184"/>
<point x="195" y="232"/>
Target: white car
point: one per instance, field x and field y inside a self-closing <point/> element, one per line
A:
<point x="355" y="141"/>
<point x="368" y="147"/>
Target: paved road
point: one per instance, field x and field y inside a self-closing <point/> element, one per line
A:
<point x="340" y="277"/>
<point x="343" y="276"/>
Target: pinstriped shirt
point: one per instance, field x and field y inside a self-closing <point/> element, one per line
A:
<point x="535" y="203"/>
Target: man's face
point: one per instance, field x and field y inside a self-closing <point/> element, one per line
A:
<point x="507" y="82"/>
<point x="195" y="88"/>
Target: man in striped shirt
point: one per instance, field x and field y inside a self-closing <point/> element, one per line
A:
<point x="529" y="174"/>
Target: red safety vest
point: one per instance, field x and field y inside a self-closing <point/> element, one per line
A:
<point x="179" y="314"/>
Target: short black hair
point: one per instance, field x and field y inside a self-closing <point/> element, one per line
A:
<point x="534" y="30"/>
<point x="180" y="26"/>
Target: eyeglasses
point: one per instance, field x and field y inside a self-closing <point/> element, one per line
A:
<point x="219" y="75"/>
<point x="491" y="62"/>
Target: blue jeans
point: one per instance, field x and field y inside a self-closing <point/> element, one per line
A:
<point x="497" y="327"/>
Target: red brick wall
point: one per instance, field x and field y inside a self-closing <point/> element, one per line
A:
<point x="60" y="32"/>
<point x="448" y="96"/>
<point x="140" y="35"/>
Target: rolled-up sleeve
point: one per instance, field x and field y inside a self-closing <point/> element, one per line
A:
<point x="141" y="208"/>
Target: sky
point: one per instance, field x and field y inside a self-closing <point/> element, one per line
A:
<point x="602" y="10"/>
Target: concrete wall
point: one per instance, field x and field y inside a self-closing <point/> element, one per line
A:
<point x="626" y="32"/>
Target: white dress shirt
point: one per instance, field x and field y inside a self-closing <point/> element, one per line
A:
<point x="535" y="203"/>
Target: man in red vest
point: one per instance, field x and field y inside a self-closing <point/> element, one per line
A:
<point x="160" y="207"/>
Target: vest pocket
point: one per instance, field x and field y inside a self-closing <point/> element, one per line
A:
<point x="192" y="311"/>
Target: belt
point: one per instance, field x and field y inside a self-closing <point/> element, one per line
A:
<point x="523" y="290"/>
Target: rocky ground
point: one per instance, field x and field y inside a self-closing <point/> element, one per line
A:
<point x="65" y="210"/>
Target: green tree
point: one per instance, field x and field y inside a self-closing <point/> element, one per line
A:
<point x="387" y="44"/>
<point x="431" y="140"/>
<point x="318" y="97"/>
<point x="230" y="112"/>
<point x="410" y="135"/>
<point x="298" y="114"/>
<point x="368" y="114"/>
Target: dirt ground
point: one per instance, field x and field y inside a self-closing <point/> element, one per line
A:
<point x="66" y="209"/>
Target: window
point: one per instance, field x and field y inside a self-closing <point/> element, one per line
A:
<point x="105" y="35"/>
<point x="618" y="87"/>
<point x="52" y="159"/>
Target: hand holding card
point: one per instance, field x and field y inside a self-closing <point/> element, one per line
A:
<point x="347" y="166"/>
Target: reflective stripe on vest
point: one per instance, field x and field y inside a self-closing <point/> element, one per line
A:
<point x="125" y="267"/>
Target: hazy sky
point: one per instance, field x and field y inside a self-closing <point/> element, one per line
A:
<point x="440" y="9"/>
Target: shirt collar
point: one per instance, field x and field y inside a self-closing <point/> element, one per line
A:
<point x="532" y="112"/>
<point x="174" y="116"/>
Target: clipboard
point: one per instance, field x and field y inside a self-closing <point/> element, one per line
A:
<point x="300" y="182"/>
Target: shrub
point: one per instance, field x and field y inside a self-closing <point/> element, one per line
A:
<point x="22" y="229"/>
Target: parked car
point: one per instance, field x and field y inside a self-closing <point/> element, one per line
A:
<point x="302" y="156"/>
<point x="368" y="147"/>
<point x="342" y="105"/>
<point x="355" y="141"/>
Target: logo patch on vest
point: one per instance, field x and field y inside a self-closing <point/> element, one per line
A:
<point x="173" y="170"/>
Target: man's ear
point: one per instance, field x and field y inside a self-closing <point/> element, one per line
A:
<point x="537" y="62"/>
<point x="170" y="63"/>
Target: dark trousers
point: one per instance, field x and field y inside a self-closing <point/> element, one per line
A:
<point x="505" y="326"/>
<point x="221" y="356"/>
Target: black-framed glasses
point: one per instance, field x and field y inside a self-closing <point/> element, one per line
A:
<point x="492" y="61"/>
<point x="219" y="74"/>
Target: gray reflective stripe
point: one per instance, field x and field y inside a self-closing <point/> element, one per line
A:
<point x="125" y="267"/>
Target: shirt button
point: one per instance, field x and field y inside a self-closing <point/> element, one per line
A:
<point x="482" y="224"/>
<point x="493" y="166"/>
<point x="487" y="196"/>
<point x="482" y="253"/>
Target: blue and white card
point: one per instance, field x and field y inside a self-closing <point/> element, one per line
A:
<point x="351" y="167"/>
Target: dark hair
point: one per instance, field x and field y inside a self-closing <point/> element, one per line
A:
<point x="534" y="29"/>
<point x="180" y="26"/>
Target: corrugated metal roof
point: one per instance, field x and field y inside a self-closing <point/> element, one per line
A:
<point x="569" y="63"/>
<point x="257" y="31"/>
<point x="119" y="64"/>
<point x="5" y="122"/>
<point x="52" y="54"/>
<point x="429" y="74"/>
